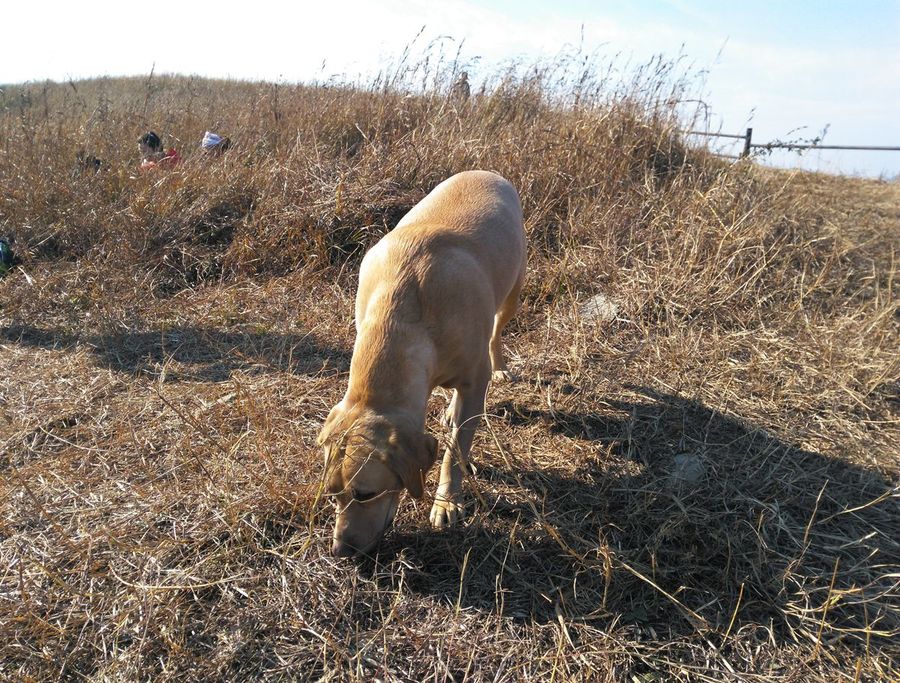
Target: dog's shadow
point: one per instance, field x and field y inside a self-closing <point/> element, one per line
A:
<point x="680" y="518"/>
<point x="194" y="353"/>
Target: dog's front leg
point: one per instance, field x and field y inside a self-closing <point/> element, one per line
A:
<point x="468" y="407"/>
<point x="451" y="415"/>
<point x="447" y="508"/>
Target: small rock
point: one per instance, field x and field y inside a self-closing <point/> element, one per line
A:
<point x="598" y="309"/>
<point x="688" y="469"/>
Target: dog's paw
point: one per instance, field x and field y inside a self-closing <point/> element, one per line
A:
<point x="446" y="512"/>
<point x="500" y="376"/>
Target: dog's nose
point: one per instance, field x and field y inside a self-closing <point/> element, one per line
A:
<point x="341" y="549"/>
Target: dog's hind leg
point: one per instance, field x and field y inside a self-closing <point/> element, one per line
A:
<point x="469" y="401"/>
<point x="504" y="314"/>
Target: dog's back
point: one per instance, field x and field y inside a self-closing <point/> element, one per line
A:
<point x="462" y="246"/>
<point x="478" y="211"/>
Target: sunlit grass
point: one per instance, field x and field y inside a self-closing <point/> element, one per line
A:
<point x="704" y="485"/>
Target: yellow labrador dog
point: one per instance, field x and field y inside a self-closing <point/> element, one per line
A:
<point x="434" y="295"/>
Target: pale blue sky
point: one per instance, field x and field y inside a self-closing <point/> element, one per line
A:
<point x="773" y="65"/>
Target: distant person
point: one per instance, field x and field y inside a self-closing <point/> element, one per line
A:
<point x="153" y="155"/>
<point x="214" y="145"/>
<point x="459" y="93"/>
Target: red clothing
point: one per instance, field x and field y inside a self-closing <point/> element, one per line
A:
<point x="170" y="159"/>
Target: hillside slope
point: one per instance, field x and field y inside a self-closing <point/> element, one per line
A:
<point x="702" y="488"/>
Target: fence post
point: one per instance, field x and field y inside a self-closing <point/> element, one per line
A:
<point x="747" y="138"/>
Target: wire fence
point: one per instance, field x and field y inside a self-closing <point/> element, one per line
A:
<point x="749" y="145"/>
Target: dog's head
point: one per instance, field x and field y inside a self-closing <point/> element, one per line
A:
<point x="369" y="460"/>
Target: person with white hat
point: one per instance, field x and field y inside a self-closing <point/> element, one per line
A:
<point x="214" y="144"/>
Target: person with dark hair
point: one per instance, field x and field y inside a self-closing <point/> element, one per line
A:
<point x="152" y="154"/>
<point x="152" y="140"/>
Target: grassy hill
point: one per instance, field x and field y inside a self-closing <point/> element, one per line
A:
<point x="702" y="488"/>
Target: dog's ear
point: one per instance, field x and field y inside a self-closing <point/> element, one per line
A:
<point x="411" y="457"/>
<point x="328" y="425"/>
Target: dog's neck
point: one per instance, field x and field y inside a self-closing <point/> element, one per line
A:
<point x="391" y="369"/>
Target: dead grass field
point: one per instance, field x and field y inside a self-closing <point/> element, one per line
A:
<point x="703" y="489"/>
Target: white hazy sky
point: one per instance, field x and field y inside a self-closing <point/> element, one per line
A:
<point x="776" y="66"/>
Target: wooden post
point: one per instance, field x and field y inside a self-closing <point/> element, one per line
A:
<point x="747" y="138"/>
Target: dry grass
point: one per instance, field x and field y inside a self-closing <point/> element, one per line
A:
<point x="703" y="489"/>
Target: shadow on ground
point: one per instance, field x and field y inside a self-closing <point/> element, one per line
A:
<point x="704" y="506"/>
<point x="192" y="352"/>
